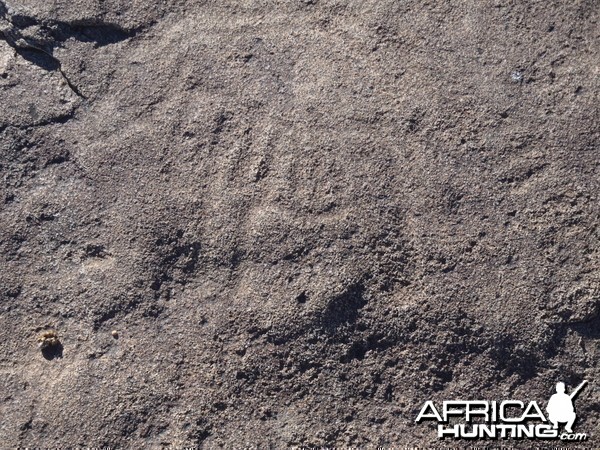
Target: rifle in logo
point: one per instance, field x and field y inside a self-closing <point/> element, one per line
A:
<point x="560" y="406"/>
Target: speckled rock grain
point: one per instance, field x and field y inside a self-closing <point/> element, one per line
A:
<point x="305" y="218"/>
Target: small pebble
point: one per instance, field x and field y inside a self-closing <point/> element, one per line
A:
<point x="115" y="334"/>
<point x="48" y="339"/>
<point x="516" y="76"/>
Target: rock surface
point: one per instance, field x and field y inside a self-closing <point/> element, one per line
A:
<point x="302" y="218"/>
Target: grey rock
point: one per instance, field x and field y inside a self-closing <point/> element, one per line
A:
<point x="304" y="218"/>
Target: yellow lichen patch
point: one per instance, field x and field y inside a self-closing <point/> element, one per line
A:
<point x="48" y="339"/>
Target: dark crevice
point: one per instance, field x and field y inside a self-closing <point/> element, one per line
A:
<point x="35" y="40"/>
<point x="73" y="88"/>
<point x="99" y="33"/>
<point x="52" y="352"/>
<point x="358" y="349"/>
<point x="46" y="61"/>
<point x="64" y="118"/>
<point x="589" y="329"/>
<point x="344" y="308"/>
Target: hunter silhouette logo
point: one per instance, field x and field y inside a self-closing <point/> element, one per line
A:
<point x="560" y="407"/>
<point x="508" y="419"/>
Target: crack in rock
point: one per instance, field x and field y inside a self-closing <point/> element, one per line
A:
<point x="35" y="40"/>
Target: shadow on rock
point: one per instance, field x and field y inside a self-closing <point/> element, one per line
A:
<point x="54" y="351"/>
